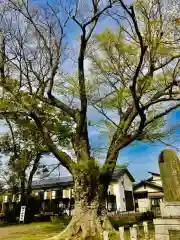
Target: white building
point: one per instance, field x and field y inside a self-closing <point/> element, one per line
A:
<point x="56" y="195"/>
<point x="120" y="191"/>
<point x="148" y="194"/>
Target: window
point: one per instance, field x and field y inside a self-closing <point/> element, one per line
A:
<point x="6" y="199"/>
<point x="45" y="195"/>
<point x="155" y="202"/>
<point x="53" y="194"/>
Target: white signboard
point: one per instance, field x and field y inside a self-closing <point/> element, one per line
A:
<point x="22" y="213"/>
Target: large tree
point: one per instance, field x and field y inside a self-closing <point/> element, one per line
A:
<point x="133" y="70"/>
<point x="24" y="146"/>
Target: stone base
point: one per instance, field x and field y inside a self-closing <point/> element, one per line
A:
<point x="166" y="228"/>
<point x="170" y="209"/>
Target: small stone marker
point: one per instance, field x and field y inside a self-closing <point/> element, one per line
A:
<point x="121" y="233"/>
<point x="138" y="232"/>
<point x="105" y="233"/>
<point x="169" y="165"/>
<point x="134" y="232"/>
<point x="146" y="232"/>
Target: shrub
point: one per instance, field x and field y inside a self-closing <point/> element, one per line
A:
<point x="127" y="220"/>
<point x="41" y="218"/>
<point x="10" y="217"/>
<point x="2" y="215"/>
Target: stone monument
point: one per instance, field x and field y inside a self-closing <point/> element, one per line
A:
<point x="168" y="226"/>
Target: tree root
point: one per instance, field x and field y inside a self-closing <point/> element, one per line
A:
<point x="86" y="227"/>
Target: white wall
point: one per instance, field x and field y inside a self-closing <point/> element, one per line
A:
<point x="148" y="189"/>
<point x="118" y="189"/>
<point x="127" y="183"/>
<point x="157" y="180"/>
<point x="144" y="204"/>
<point x="120" y="196"/>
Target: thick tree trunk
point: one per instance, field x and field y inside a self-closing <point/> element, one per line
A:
<point x="23" y="190"/>
<point x="90" y="217"/>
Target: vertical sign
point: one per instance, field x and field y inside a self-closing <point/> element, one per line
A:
<point x="22" y="213"/>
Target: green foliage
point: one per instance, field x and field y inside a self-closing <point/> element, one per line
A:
<point x="89" y="122"/>
<point x="88" y="166"/>
<point x="122" y="166"/>
<point x="115" y="63"/>
<point x="115" y="66"/>
<point x="108" y="167"/>
<point x="22" y="144"/>
<point x="109" y="125"/>
<point x="123" y="93"/>
<point x="154" y="131"/>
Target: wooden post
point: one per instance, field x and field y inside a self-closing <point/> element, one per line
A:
<point x="121" y="233"/>
<point x="105" y="233"/>
<point x="70" y="202"/>
<point x="146" y="232"/>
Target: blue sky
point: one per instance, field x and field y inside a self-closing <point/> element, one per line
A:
<point x="141" y="158"/>
<point x="144" y="156"/>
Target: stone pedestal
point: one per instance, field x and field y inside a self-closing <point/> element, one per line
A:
<point x="170" y="209"/>
<point x="166" y="228"/>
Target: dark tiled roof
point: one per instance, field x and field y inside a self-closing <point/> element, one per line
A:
<point x="52" y="182"/>
<point x="148" y="184"/>
<point x="67" y="181"/>
<point x="156" y="174"/>
<point x="120" y="172"/>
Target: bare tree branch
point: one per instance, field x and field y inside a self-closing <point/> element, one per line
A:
<point x="143" y="51"/>
<point x="33" y="171"/>
<point x="52" y="171"/>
